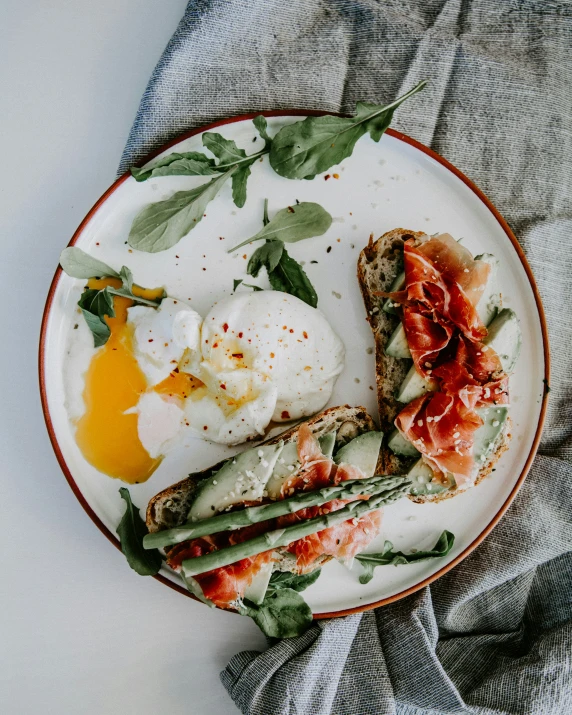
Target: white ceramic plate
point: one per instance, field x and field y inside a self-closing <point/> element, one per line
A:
<point x="394" y="183"/>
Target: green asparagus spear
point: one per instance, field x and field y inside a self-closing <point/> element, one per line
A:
<point x="283" y="537"/>
<point x="254" y="514"/>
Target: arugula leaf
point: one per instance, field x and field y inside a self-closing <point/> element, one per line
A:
<point x="289" y="277"/>
<point x="396" y="558"/>
<point x="228" y="153"/>
<point x="267" y="255"/>
<point x="311" y="146"/>
<point x="294" y="223"/>
<point x="249" y="285"/>
<point x="282" y="614"/>
<point x="265" y="219"/>
<point x="236" y="282"/>
<point x="161" y="225"/>
<point x="191" y="163"/>
<point x="126" y="278"/>
<point x="286" y="579"/>
<point x="79" y="264"/>
<point x="261" y="125"/>
<point x="131" y="531"/>
<point x="95" y="304"/>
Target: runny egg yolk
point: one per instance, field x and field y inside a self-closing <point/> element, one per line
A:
<point x="114" y="382"/>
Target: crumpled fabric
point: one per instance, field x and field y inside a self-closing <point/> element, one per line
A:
<point x="494" y="635"/>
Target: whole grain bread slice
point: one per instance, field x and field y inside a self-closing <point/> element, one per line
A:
<point x="170" y="507"/>
<point x="378" y="265"/>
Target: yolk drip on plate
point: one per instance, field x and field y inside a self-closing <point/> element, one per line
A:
<point x="114" y="382"/>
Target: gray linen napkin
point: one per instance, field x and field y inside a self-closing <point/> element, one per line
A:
<point x="495" y="634"/>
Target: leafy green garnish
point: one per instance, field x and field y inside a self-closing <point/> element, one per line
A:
<point x="294" y="223"/>
<point x="161" y="225"/>
<point x="388" y="557"/>
<point x="79" y="264"/>
<point x="267" y="255"/>
<point x="283" y="613"/>
<point x="297" y="582"/>
<point x="289" y="277"/>
<point x="311" y="146"/>
<point x="230" y="155"/>
<point x="131" y="531"/>
<point x="191" y="163"/>
<point x="95" y="303"/>
<point x="261" y="125"/>
<point x="254" y="288"/>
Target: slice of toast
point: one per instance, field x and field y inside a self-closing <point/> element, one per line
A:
<point x="378" y="264"/>
<point x="170" y="507"/>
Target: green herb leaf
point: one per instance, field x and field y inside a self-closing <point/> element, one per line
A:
<point x="285" y="579"/>
<point x="228" y="153"/>
<point x="294" y="223"/>
<point x="261" y="125"/>
<point x="236" y="282"/>
<point x="267" y="255"/>
<point x="99" y="328"/>
<point x="289" y="277"/>
<point x="265" y="219"/>
<point x="313" y="145"/>
<point x="161" y="225"/>
<point x="191" y="163"/>
<point x="79" y="264"/>
<point x="396" y="558"/>
<point x="254" y="288"/>
<point x="282" y="614"/>
<point x="95" y="304"/>
<point x="126" y="278"/>
<point x="131" y="531"/>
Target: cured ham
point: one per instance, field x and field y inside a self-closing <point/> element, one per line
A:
<point x="343" y="541"/>
<point x="442" y="428"/>
<point x="316" y="470"/>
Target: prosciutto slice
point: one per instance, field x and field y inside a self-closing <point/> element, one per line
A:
<point x="442" y="428"/>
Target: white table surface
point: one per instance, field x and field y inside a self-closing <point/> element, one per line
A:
<point x="80" y="632"/>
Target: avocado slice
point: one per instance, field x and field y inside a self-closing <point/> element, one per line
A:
<point x="257" y="588"/>
<point x="398" y="284"/>
<point x="399" y="444"/>
<point x="362" y="452"/>
<point x="487" y="437"/>
<point x="397" y="346"/>
<point x="424" y="482"/>
<point x="414" y="385"/>
<point x="242" y="478"/>
<point x="505" y="338"/>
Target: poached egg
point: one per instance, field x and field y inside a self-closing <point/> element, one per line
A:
<point x="165" y="372"/>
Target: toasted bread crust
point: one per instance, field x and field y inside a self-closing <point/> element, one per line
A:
<point x="378" y="264"/>
<point x="170" y="507"/>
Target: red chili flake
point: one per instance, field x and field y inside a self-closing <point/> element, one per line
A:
<point x="215" y="345"/>
<point x="285" y="415"/>
<point x="326" y="177"/>
<point x="291" y="330"/>
<point x="237" y="355"/>
<point x="240" y="335"/>
<point x="150" y="340"/>
<point x="305" y="334"/>
<point x="205" y="427"/>
<point x="271" y="355"/>
<point x="244" y="255"/>
<point x="225" y="327"/>
<point x="176" y="256"/>
<point x="223" y="386"/>
<point x="290" y="210"/>
<point x="97" y="243"/>
<point x="336" y="176"/>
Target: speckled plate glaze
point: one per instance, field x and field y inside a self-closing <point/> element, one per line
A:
<point x="397" y="182"/>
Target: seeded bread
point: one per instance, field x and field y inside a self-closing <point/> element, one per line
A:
<point x="378" y="264"/>
<point x="170" y="507"/>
